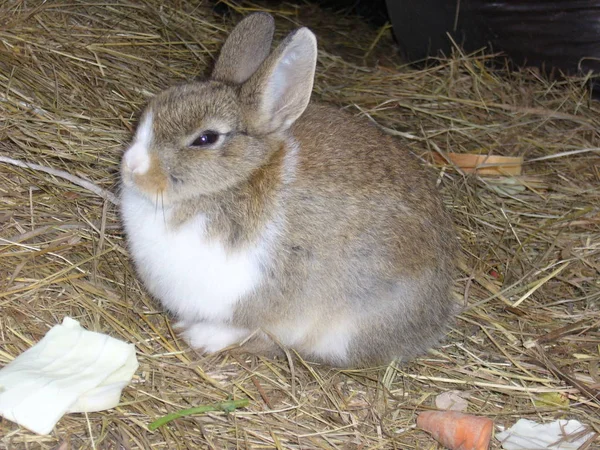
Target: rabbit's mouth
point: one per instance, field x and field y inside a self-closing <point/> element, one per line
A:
<point x="153" y="183"/>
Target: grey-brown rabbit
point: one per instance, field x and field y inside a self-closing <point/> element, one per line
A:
<point x="250" y="212"/>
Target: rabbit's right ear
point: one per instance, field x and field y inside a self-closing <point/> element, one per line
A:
<point x="245" y="49"/>
<point x="279" y="92"/>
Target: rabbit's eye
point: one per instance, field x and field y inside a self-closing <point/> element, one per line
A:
<point x="206" y="138"/>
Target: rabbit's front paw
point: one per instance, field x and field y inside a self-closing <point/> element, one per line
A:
<point x="212" y="337"/>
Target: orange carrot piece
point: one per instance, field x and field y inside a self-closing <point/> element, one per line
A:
<point x="457" y="431"/>
<point x="483" y="164"/>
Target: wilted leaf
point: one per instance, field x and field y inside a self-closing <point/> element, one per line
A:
<point x="551" y="399"/>
<point x="452" y="401"/>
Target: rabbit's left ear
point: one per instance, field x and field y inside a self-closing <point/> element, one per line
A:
<point x="245" y="49"/>
<point x="279" y="92"/>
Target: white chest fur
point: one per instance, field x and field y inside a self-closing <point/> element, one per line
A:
<point x="194" y="278"/>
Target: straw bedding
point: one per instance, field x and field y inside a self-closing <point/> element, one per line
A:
<point x="73" y="75"/>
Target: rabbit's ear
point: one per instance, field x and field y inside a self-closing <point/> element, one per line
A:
<point x="245" y="49"/>
<point x="279" y="91"/>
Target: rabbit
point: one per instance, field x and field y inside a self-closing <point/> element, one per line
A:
<point x="254" y="215"/>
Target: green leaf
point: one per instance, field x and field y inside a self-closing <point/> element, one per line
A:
<point x="227" y="407"/>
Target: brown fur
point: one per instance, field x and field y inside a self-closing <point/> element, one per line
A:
<point x="154" y="181"/>
<point x="364" y="237"/>
<point x="245" y="49"/>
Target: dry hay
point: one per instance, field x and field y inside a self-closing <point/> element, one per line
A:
<point x="74" y="74"/>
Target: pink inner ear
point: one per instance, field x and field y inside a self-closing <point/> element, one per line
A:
<point x="290" y="81"/>
<point x="284" y="75"/>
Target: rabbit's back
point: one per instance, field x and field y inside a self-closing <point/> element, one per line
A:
<point x="357" y="184"/>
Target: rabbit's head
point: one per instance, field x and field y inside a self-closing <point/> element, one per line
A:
<point x="204" y="137"/>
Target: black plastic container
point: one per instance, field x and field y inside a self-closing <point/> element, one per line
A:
<point x="560" y="34"/>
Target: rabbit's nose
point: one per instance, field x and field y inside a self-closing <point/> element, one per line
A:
<point x="137" y="159"/>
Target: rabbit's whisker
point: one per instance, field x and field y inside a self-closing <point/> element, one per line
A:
<point x="162" y="206"/>
<point x="156" y="202"/>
